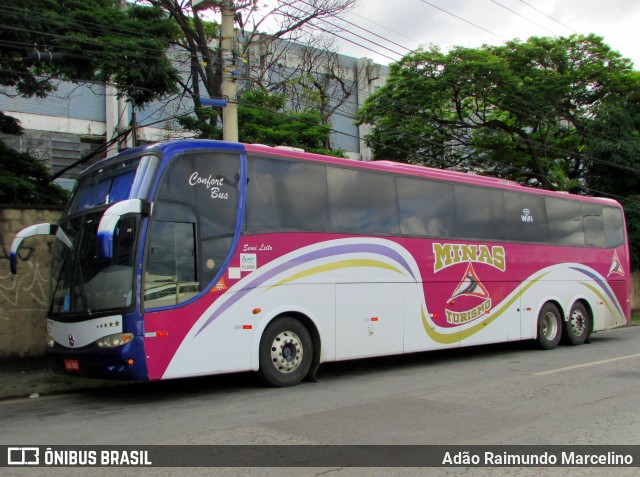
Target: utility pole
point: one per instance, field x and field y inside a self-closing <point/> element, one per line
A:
<point x="229" y="88"/>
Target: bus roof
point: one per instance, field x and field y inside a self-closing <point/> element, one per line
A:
<point x="381" y="165"/>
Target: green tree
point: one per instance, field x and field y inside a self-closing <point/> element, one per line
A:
<point x="198" y="49"/>
<point x="557" y="113"/>
<point x="632" y="209"/>
<point x="263" y="119"/>
<point x="25" y="180"/>
<point x="523" y="111"/>
<point x="82" y="41"/>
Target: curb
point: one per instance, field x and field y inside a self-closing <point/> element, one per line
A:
<point x="32" y="379"/>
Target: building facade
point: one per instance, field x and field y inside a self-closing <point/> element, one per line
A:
<point x="78" y="119"/>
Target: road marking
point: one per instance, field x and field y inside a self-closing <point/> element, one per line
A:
<point x="584" y="365"/>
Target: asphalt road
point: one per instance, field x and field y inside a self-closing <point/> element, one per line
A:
<point x="503" y="394"/>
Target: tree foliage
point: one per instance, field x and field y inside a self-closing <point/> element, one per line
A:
<point x="25" y="180"/>
<point x="557" y="113"/>
<point x="96" y="41"/>
<point x="263" y="119"/>
<point x="524" y="110"/>
<point x="81" y="41"/>
<point x="260" y="60"/>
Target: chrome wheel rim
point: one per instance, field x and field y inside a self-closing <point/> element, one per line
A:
<point x="286" y="352"/>
<point x="578" y="322"/>
<point x="549" y="326"/>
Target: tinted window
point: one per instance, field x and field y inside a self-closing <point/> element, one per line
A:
<point x="107" y="185"/>
<point x="593" y="225"/>
<point x="174" y="251"/>
<point x="526" y="218"/>
<point x="193" y="225"/>
<point x="286" y="195"/>
<point x="362" y="202"/>
<point x="480" y="213"/>
<point x="426" y="208"/>
<point x="81" y="282"/>
<point x="613" y="226"/>
<point x="171" y="265"/>
<point x="565" y="221"/>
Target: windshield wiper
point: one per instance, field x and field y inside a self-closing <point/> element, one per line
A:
<point x="83" y="291"/>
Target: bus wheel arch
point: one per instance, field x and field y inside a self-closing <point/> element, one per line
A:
<point x="549" y="325"/>
<point x="289" y="350"/>
<point x="578" y="326"/>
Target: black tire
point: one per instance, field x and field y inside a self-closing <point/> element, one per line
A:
<point x="549" y="327"/>
<point x="286" y="352"/>
<point x="578" y="327"/>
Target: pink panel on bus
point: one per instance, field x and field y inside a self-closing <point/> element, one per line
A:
<point x="462" y="280"/>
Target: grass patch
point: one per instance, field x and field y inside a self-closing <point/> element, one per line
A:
<point x="635" y="319"/>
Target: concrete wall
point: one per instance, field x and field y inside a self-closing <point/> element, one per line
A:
<point x="23" y="297"/>
<point x="635" y="291"/>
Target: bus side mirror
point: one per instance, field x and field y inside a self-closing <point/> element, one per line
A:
<point x="32" y="230"/>
<point x="110" y="219"/>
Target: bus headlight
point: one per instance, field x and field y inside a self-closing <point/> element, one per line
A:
<point x="50" y="341"/>
<point x="112" y="341"/>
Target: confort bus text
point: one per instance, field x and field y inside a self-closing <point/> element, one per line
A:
<point x="544" y="458"/>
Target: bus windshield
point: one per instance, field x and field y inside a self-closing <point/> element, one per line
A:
<point x="81" y="283"/>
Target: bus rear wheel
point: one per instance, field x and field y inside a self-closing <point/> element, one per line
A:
<point x="578" y="327"/>
<point x="285" y="352"/>
<point x="549" y="327"/>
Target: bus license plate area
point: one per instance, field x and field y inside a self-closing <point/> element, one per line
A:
<point x="71" y="365"/>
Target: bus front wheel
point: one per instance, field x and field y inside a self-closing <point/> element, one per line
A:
<point x="285" y="352"/>
<point x="549" y="327"/>
<point x="578" y="326"/>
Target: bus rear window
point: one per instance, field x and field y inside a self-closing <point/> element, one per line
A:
<point x="613" y="227"/>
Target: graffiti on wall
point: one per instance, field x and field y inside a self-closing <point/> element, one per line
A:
<point x="26" y="291"/>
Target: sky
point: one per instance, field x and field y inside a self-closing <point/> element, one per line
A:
<point x="401" y="25"/>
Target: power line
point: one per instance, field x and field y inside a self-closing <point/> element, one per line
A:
<point x="522" y="16"/>
<point x="322" y="29"/>
<point x="463" y="19"/>
<point x="386" y="28"/>
<point x="571" y="152"/>
<point x="510" y="167"/>
<point x="330" y="32"/>
<point x="512" y="107"/>
<point x="317" y="27"/>
<point x="567" y="152"/>
<point x="548" y="16"/>
<point x="365" y="30"/>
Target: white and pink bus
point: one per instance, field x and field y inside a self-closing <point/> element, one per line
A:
<point x="201" y="257"/>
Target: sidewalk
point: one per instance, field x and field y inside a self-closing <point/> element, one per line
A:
<point x="30" y="378"/>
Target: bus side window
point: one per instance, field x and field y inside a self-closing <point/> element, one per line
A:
<point x="171" y="264"/>
<point x="426" y="208"/>
<point x="286" y="195"/>
<point x="593" y="225"/>
<point x="362" y="202"/>
<point x="526" y="218"/>
<point x="565" y="221"/>
<point x="480" y="213"/>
